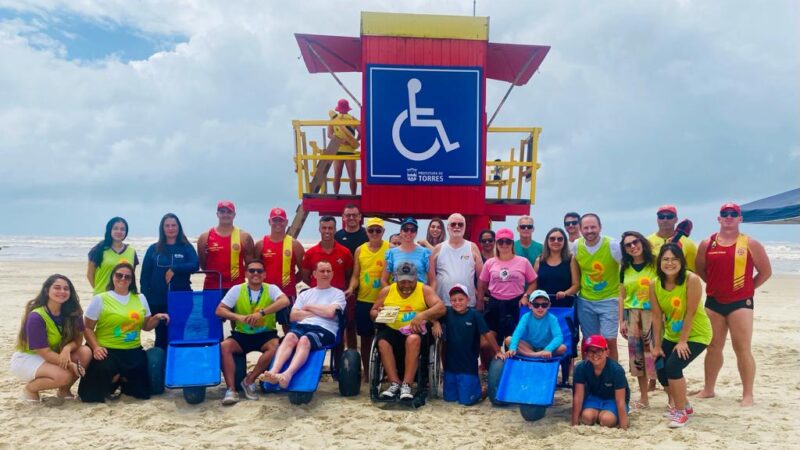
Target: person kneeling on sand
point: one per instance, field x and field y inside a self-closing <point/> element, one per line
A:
<point x="601" y="394"/>
<point x="464" y="327"/>
<point x="314" y="325"/>
<point x="538" y="333"/>
<point x="252" y="309"/>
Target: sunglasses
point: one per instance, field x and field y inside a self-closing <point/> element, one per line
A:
<point x="408" y="230"/>
<point x="570" y="223"/>
<point x="556" y="239"/>
<point x="487" y="241"/>
<point x="254" y="271"/>
<point x="374" y="230"/>
<point x="526" y="227"/>
<point x="537" y="305"/>
<point x="733" y="214"/>
<point x="123" y="276"/>
<point x="504" y="242"/>
<point x="632" y="243"/>
<point x="665" y="216"/>
<point x="457" y="224"/>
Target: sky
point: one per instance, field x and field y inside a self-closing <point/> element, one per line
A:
<point x="141" y="108"/>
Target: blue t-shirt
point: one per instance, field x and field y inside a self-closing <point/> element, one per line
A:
<point x="420" y="257"/>
<point x="604" y="386"/>
<point x="544" y="333"/>
<point x="463" y="336"/>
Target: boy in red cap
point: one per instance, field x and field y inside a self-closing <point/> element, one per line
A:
<point x="601" y="393"/>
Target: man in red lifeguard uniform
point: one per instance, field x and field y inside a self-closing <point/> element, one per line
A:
<point x="726" y="261"/>
<point x="224" y="249"/>
<point x="282" y="256"/>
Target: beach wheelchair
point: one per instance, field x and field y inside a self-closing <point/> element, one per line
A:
<point x="428" y="378"/>
<point x="531" y="382"/>
<point x="194" y="334"/>
<point x="347" y="368"/>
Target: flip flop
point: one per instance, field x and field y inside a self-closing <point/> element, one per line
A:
<point x="637" y="405"/>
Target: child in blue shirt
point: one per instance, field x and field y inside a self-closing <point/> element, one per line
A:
<point x="464" y="328"/>
<point x="538" y="333"/>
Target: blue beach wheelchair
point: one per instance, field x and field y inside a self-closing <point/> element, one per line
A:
<point x="531" y="382"/>
<point x="306" y="381"/>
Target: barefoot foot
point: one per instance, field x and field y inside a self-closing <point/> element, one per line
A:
<point x="270" y="377"/>
<point x="747" y="401"/>
<point x="284" y="379"/>
<point x="703" y="394"/>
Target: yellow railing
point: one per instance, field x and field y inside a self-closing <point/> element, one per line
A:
<point x="508" y="176"/>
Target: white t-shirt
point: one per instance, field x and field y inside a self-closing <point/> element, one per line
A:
<point x="96" y="305"/>
<point x="616" y="251"/>
<point x="317" y="296"/>
<point x="233" y="294"/>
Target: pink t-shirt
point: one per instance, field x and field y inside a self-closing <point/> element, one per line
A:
<point x="507" y="279"/>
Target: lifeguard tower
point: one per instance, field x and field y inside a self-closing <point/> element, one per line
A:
<point x="423" y="129"/>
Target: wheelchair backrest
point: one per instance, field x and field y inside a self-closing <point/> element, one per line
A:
<point x="192" y="315"/>
<point x="566" y="319"/>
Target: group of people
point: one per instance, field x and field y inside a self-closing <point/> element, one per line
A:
<point x="648" y="289"/>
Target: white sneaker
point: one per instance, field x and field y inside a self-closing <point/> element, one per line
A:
<point x="250" y="390"/>
<point x="392" y="392"/>
<point x="405" y="392"/>
<point x="231" y="397"/>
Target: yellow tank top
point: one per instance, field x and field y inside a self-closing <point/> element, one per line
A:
<point x="371" y="264"/>
<point x="409" y="307"/>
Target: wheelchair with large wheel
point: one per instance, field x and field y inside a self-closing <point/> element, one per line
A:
<point x="427" y="380"/>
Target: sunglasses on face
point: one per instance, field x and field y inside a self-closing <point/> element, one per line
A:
<point x="556" y="239"/>
<point x="570" y="223"/>
<point x="255" y="271"/>
<point x="457" y="224"/>
<point x="374" y="230"/>
<point x="733" y="214"/>
<point x="408" y="230"/>
<point x="526" y="227"/>
<point x="504" y="242"/>
<point x="538" y="305"/>
<point x="487" y="241"/>
<point x="665" y="216"/>
<point x="631" y="244"/>
<point x="123" y="276"/>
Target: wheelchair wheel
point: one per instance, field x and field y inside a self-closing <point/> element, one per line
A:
<point x="532" y="413"/>
<point x="241" y="370"/>
<point x="350" y="373"/>
<point x="194" y="395"/>
<point x="375" y="371"/>
<point x="495" y="371"/>
<point x="434" y="370"/>
<point x="156" y="364"/>
<point x="300" y="398"/>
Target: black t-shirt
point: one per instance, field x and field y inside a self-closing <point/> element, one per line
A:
<point x="463" y="340"/>
<point x="611" y="378"/>
<point x="351" y="240"/>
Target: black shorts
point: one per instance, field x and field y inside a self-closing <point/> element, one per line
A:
<point x="502" y="317"/>
<point x="724" y="309"/>
<point x="253" y="342"/>
<point x="395" y="338"/>
<point x="282" y="316"/>
<point x="317" y="335"/>
<point x="364" y="324"/>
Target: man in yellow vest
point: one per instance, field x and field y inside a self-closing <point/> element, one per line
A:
<point x="251" y="307"/>
<point x="417" y="304"/>
<point x="597" y="260"/>
<point x="667" y="218"/>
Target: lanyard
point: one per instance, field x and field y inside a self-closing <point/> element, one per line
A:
<point x="59" y="326"/>
<point x="250" y="293"/>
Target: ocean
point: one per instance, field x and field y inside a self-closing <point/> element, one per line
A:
<point x="785" y="256"/>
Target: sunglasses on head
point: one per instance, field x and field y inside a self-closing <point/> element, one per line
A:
<point x="729" y="213"/>
<point x="631" y="244"/>
<point x="255" y="271"/>
<point x="556" y="239"/>
<point x="123" y="276"/>
<point x="570" y="223"/>
<point x="504" y="242"/>
<point x="526" y="227"/>
<point x="457" y="224"/>
<point x="665" y="216"/>
<point x="408" y="230"/>
<point x="487" y="241"/>
<point x="538" y="305"/>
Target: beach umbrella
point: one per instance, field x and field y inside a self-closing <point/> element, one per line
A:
<point x="782" y="208"/>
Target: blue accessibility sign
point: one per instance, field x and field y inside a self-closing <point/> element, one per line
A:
<point x="424" y="125"/>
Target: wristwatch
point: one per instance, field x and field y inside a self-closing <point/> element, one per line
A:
<point x="262" y="312"/>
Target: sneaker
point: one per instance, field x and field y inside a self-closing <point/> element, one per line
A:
<point x="405" y="392"/>
<point x="392" y="392"/>
<point x="250" y="390"/>
<point x="679" y="420"/>
<point x="231" y="397"/>
<point x="672" y="411"/>
<point x="689" y="410"/>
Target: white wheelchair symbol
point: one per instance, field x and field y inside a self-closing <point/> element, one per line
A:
<point x="414" y="86"/>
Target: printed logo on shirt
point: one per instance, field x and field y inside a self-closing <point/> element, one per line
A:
<point x="235" y="247"/>
<point x="504" y="274"/>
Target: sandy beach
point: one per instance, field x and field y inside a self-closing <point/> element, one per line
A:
<point x="331" y="421"/>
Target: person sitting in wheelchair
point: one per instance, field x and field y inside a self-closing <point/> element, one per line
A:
<point x="314" y="325"/>
<point x="538" y="333"/>
<point x="401" y="338"/>
<point x="464" y="328"/>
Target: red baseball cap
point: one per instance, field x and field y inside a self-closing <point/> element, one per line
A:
<point x="277" y="212"/>
<point x="668" y="208"/>
<point x="732" y="206"/>
<point x="226" y="204"/>
<point x="595" y="341"/>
